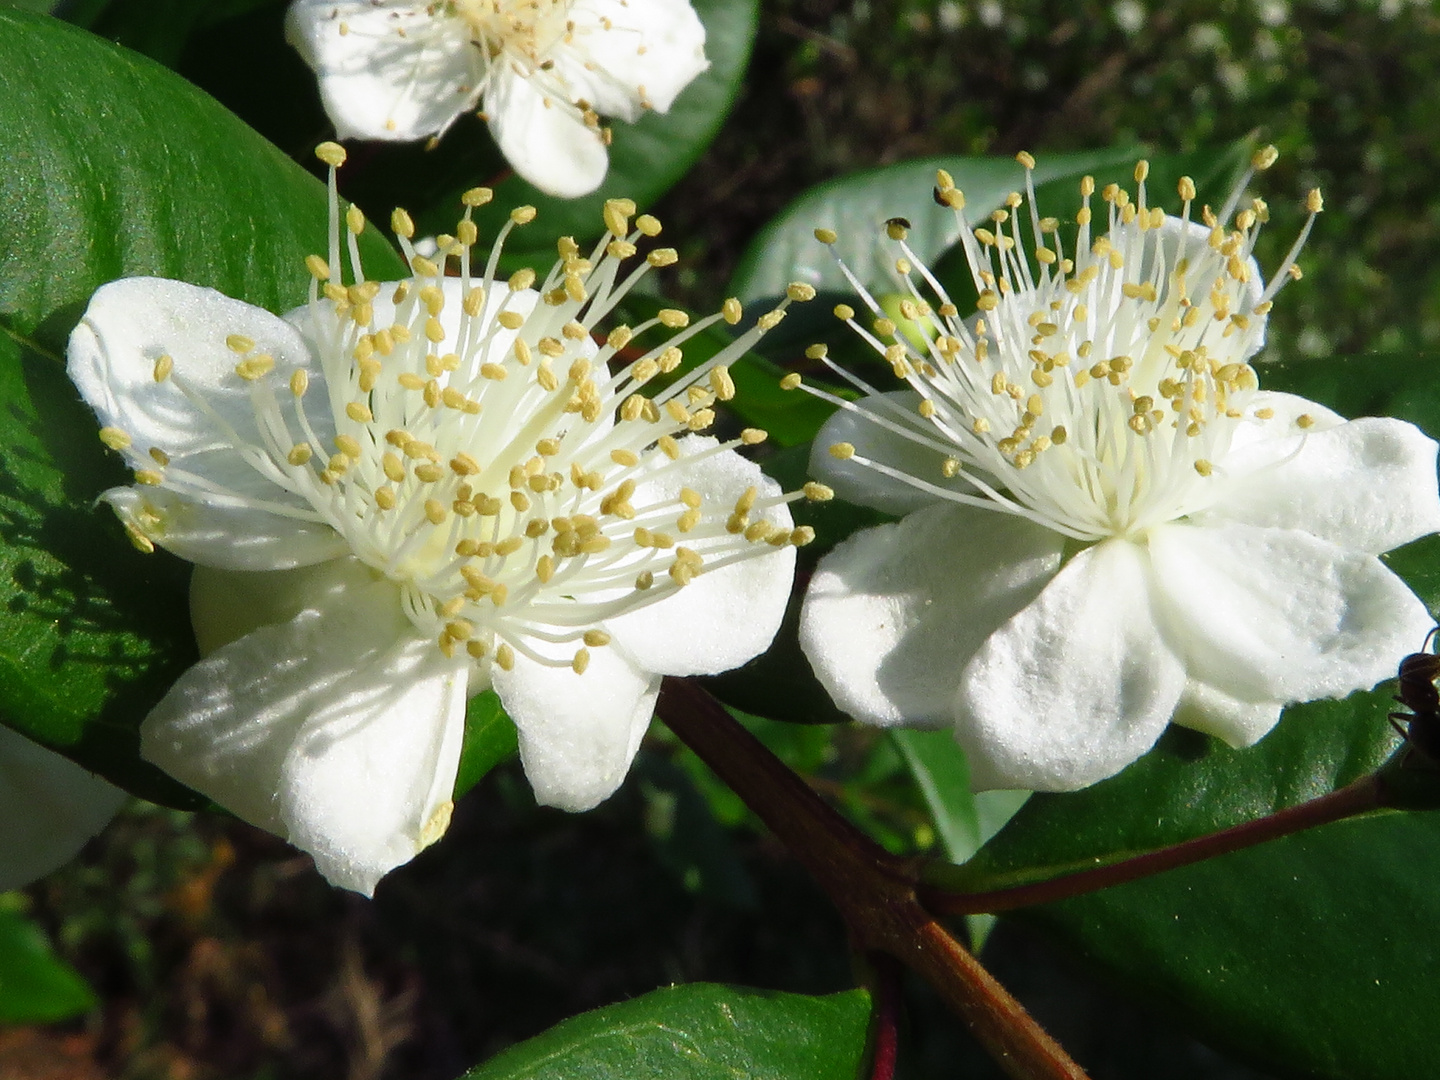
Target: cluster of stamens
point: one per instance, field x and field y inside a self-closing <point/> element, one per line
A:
<point x="1098" y="388"/>
<point x="503" y="462"/>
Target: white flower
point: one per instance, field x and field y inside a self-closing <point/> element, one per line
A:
<point x="405" y="493"/>
<point x="1108" y="524"/>
<point x="49" y="807"/>
<point x="544" y="71"/>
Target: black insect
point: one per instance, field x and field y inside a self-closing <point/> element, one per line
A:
<point x="1419" y="694"/>
<point x="898" y="223"/>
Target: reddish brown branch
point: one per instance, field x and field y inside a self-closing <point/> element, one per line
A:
<point x="874" y="890"/>
<point x="1364" y="795"/>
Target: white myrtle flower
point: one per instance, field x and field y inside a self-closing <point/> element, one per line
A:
<point x="1107" y="524"/>
<point x="407" y="492"/>
<point x="543" y="71"/>
<point x="49" y="807"/>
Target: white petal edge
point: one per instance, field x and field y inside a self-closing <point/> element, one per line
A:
<point x="1367" y="484"/>
<point x="578" y="733"/>
<point x="377" y="84"/>
<point x="1235" y="721"/>
<point x="1076" y="686"/>
<point x="723" y="617"/>
<point x="893" y="614"/>
<point x="859" y="484"/>
<point x="49" y="807"/>
<point x="228" y="537"/>
<point x="1280" y="615"/>
<point x="548" y="145"/>
<point x="130" y="323"/>
<point x="620" y="46"/>
<point x="339" y="730"/>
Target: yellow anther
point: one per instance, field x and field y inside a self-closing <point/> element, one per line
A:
<point x="477" y="197"/>
<point x="844" y="312"/>
<point x="721" y="383"/>
<point x="149" y="477"/>
<point x="1264" y="157"/>
<point x="800" y="292"/>
<point x="505" y="658"/>
<point x="401" y="223"/>
<point x="254" y="368"/>
<point x="791" y="381"/>
<point x="753" y="436"/>
<point x="662" y="257"/>
<point x="239" y="343"/>
<point x="1024" y="158"/>
<point x="818" y="492"/>
<point x="523" y="215"/>
<point x="331" y="153"/>
<point x="826" y="236"/>
<point x="842" y="451"/>
<point x="355" y="219"/>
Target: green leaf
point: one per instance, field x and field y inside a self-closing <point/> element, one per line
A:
<point x="490" y="738"/>
<point x="1313" y="955"/>
<point x="36" y="986"/>
<point x="91" y="633"/>
<point x="698" y="1032"/>
<point x="646" y="158"/>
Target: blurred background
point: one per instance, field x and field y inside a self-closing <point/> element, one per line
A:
<point x="217" y="953"/>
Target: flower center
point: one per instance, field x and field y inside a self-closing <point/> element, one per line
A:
<point x="1093" y="392"/>
<point x="526" y="29"/>
<point x="481" y="443"/>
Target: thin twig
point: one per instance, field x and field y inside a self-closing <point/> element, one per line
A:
<point x="1366" y="794"/>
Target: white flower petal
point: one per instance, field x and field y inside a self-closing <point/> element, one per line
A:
<point x="127" y="327"/>
<point x="131" y="323"/>
<point x="725" y="616"/>
<point x="49" y="807"/>
<point x="1074" y="687"/>
<point x="387" y="70"/>
<point x="623" y="52"/>
<point x="893" y="613"/>
<point x="223" y="536"/>
<point x="1366" y="484"/>
<point x="1280" y="615"/>
<point x="1209" y="709"/>
<point x="578" y="733"/>
<point x="864" y="486"/>
<point x="225" y="605"/>
<point x="339" y="730"/>
<point x="543" y="137"/>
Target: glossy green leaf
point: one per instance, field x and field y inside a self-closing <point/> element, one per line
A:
<point x="36" y="986"/>
<point x="110" y="166"/>
<point x="1312" y="955"/>
<point x="646" y="157"/>
<point x="698" y="1032"/>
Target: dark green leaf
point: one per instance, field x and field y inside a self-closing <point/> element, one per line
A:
<point x="36" y="986"/>
<point x="698" y="1032"/>
<point x="110" y="166"/>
